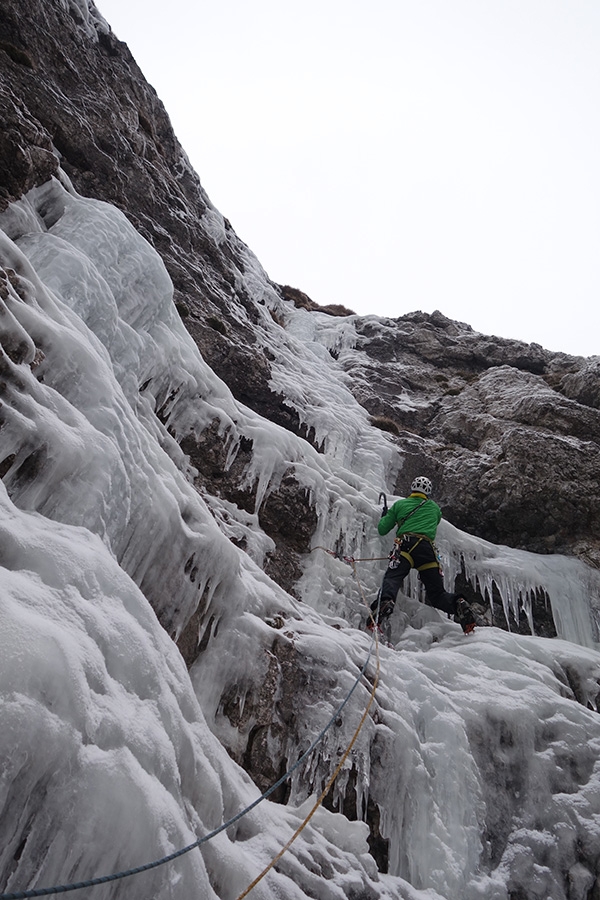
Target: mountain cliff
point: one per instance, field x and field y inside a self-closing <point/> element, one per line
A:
<point x="181" y="440"/>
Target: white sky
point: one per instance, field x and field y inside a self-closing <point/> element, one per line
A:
<point x="394" y="155"/>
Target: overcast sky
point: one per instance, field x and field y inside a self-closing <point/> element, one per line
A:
<point x="394" y="155"/>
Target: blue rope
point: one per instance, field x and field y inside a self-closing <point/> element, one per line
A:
<point x="63" y="888"/>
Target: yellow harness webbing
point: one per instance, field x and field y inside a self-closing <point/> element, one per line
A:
<point x="407" y="553"/>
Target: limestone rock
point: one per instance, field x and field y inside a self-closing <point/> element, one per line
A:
<point x="509" y="432"/>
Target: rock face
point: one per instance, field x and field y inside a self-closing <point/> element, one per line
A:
<point x="287" y="516"/>
<point x="509" y="431"/>
<point x="85" y="103"/>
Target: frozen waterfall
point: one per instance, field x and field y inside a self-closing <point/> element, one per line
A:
<point x="481" y="756"/>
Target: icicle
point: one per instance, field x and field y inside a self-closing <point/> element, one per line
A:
<point x="572" y="587"/>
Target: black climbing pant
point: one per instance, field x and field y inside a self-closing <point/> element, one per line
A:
<point x="414" y="551"/>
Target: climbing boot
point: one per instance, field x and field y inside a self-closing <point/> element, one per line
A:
<point x="464" y="615"/>
<point x="386" y="608"/>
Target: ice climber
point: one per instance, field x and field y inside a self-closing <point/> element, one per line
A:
<point x="416" y="519"/>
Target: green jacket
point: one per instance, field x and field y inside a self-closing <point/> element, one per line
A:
<point x="424" y="521"/>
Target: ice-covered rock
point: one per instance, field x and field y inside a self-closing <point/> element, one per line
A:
<point x="70" y="91"/>
<point x="100" y="383"/>
<point x="154" y="477"/>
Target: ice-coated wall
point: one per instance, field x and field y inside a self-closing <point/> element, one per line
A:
<point x="480" y="754"/>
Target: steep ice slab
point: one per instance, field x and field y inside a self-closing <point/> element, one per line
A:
<point x="513" y="753"/>
<point x="83" y="444"/>
<point x="118" y="368"/>
<point x="116" y="378"/>
<point x="82" y="233"/>
<point x="76" y="453"/>
<point x="108" y="762"/>
<point x="108" y="464"/>
<point x="95" y="263"/>
<point x="572" y="587"/>
<point x="481" y="752"/>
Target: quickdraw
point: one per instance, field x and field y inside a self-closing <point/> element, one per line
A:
<point x="349" y="560"/>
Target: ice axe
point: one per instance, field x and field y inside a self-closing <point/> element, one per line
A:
<point x="384" y="510"/>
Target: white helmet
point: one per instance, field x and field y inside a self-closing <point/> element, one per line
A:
<point x="423" y="485"/>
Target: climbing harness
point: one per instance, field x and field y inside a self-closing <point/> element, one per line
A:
<point x="405" y="546"/>
<point x="117" y="876"/>
<point x="373" y="616"/>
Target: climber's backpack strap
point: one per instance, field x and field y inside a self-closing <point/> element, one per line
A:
<point x="412" y="512"/>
